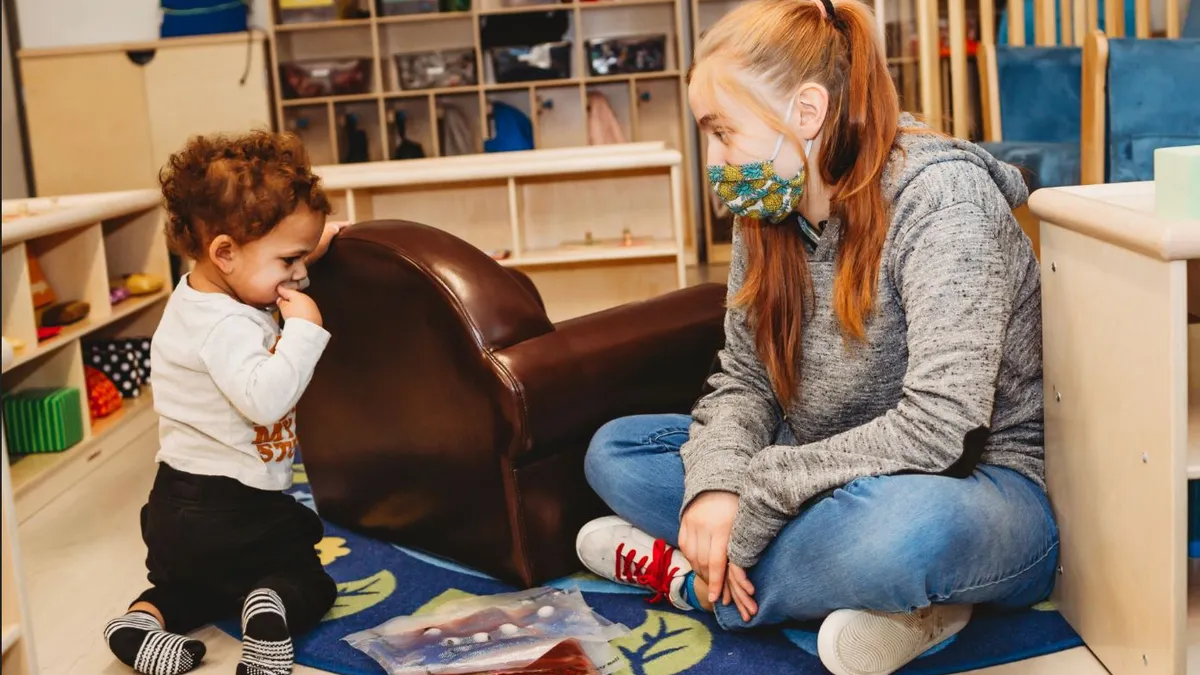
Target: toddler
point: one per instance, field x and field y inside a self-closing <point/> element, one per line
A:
<point x="222" y="536"/>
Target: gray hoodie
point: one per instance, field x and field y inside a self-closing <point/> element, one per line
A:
<point x="950" y="375"/>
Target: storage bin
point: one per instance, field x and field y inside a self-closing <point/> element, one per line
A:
<point x="436" y="69"/>
<point x="203" y="17"/>
<point x="325" y="77"/>
<point x="528" y="3"/>
<point x="126" y="361"/>
<point x="401" y="7"/>
<point x="547" y="61"/>
<point x="629" y="54"/>
<point x="306" y="11"/>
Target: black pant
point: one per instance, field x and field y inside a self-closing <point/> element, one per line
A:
<point x="212" y="540"/>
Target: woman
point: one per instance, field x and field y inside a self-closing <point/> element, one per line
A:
<point x="871" y="449"/>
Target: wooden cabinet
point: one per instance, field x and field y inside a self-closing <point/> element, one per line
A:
<point x="1122" y="420"/>
<point x="106" y="118"/>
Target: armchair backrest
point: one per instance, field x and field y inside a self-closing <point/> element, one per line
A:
<point x="415" y="315"/>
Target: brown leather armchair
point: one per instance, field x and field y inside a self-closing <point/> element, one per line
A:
<point x="449" y="414"/>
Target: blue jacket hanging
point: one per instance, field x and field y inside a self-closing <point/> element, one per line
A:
<point x="511" y="129"/>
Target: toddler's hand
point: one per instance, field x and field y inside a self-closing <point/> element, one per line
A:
<point x="331" y="230"/>
<point x="295" y="305"/>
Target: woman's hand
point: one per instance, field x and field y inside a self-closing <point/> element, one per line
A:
<point x="331" y="230"/>
<point x="704" y="537"/>
<point x="739" y="589"/>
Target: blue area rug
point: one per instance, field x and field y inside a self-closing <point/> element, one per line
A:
<point x="379" y="581"/>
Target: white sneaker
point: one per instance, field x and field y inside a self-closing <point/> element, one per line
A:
<point x="616" y="550"/>
<point x="856" y="642"/>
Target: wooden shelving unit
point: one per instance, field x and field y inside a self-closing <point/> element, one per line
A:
<point x="80" y="242"/>
<point x="539" y="206"/>
<point x="649" y="106"/>
<point x="897" y="22"/>
<point x="1122" y="378"/>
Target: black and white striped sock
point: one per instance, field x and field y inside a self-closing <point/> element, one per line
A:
<point x="140" y="642"/>
<point x="266" y="643"/>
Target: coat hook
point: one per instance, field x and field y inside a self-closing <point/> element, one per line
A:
<point x="644" y="96"/>
<point x="545" y="103"/>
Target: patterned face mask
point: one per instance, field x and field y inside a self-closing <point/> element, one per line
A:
<point x="755" y="190"/>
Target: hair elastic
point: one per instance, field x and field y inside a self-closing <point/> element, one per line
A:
<point x="830" y="13"/>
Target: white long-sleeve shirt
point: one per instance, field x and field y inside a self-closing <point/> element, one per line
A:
<point x="226" y="384"/>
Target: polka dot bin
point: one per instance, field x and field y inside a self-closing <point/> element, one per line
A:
<point x="126" y="361"/>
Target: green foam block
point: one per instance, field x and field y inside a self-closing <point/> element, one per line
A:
<point x="43" y="420"/>
<point x="1177" y="182"/>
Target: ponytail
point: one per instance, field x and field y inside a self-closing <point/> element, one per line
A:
<point x="854" y="153"/>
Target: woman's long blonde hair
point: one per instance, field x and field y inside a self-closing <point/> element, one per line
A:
<point x="785" y="44"/>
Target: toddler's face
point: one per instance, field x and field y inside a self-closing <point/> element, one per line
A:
<point x="277" y="259"/>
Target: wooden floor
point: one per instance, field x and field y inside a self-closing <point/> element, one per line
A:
<point x="83" y="563"/>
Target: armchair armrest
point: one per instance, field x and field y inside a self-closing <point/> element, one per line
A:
<point x="645" y="357"/>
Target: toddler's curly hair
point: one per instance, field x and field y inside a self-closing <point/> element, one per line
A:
<point x="241" y="186"/>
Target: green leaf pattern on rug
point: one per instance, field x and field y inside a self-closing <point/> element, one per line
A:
<point x="665" y="644"/>
<point x="355" y="596"/>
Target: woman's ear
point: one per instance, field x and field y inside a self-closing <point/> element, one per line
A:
<point x="810" y="107"/>
<point x="223" y="252"/>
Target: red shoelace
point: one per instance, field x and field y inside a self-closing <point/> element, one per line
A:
<point x="653" y="571"/>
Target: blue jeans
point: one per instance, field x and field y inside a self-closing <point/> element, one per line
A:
<point x="886" y="543"/>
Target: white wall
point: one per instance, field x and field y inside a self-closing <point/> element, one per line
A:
<point x="14" y="156"/>
<point x="70" y="23"/>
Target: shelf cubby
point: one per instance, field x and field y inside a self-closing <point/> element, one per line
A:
<point x="451" y="31"/>
<point x="560" y="120"/>
<point x="80" y="242"/>
<point x="658" y="106"/>
<point x="418" y="123"/>
<point x="620" y="97"/>
<point x="354" y="41"/>
<point x="611" y="20"/>
<point x="134" y="244"/>
<point x="315" y="127"/>
<point x="459" y="124"/>
<point x="20" y="323"/>
<point x="73" y="263"/>
<point x="368" y="122"/>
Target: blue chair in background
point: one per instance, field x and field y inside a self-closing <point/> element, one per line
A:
<point x="1191" y="27"/>
<point x="1002" y="32"/>
<point x="1032" y="102"/>
<point x="1138" y="96"/>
